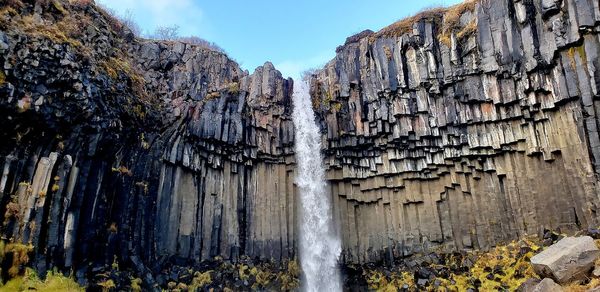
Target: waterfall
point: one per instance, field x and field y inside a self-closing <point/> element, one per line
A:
<point x="320" y="245"/>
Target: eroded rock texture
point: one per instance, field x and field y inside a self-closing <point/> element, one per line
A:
<point x="464" y="134"/>
<point x="141" y="151"/>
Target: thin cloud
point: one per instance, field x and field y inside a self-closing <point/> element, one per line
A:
<point x="153" y="13"/>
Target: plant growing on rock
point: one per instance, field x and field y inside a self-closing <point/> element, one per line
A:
<point x="12" y="211"/>
<point x="20" y="257"/>
<point x="136" y="284"/>
<point x="233" y="88"/>
<point x="143" y="186"/>
<point x="293" y="268"/>
<point x="263" y="279"/>
<point x="200" y="280"/>
<point x="452" y="22"/>
<point x="122" y="170"/>
<point x="53" y="282"/>
<point x="287" y="282"/>
<point x="243" y="272"/>
<point x="213" y="95"/>
<point x="406" y="25"/>
<point x="107" y="285"/>
<point x="145" y="145"/>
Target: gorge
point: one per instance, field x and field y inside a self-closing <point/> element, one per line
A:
<point x="457" y="129"/>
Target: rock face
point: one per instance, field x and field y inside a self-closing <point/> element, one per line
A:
<point x="136" y="150"/>
<point x="464" y="127"/>
<point x="572" y="258"/>
<point x="547" y="285"/>
<point x="457" y="128"/>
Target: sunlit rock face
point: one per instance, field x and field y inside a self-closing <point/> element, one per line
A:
<point x="467" y="139"/>
<point x="145" y="150"/>
<point x="158" y="152"/>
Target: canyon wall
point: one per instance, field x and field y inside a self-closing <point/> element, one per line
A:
<point x="140" y="151"/>
<point x="457" y="128"/>
<point x="464" y="127"/>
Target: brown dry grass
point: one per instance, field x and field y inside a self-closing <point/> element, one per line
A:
<point x="453" y="14"/>
<point x="403" y="26"/>
<point x="51" y="31"/>
<point x="447" y="17"/>
<point x="577" y="287"/>
<point x="113" y="66"/>
<point x="451" y="23"/>
<point x="16" y="4"/>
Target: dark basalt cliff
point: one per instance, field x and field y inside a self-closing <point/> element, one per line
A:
<point x="141" y="150"/>
<point x="464" y="127"/>
<point x="458" y="128"/>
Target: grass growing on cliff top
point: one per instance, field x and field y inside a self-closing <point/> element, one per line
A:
<point x="405" y="25"/>
<point x="451" y="23"/>
<point x="447" y="17"/>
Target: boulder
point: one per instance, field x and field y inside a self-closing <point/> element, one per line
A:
<point x="529" y="285"/>
<point x="596" y="272"/>
<point x="569" y="259"/>
<point x="547" y="285"/>
<point x="535" y="285"/>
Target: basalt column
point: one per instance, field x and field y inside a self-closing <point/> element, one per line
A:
<point x="464" y="127"/>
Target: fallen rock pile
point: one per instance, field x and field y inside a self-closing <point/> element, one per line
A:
<point x="572" y="262"/>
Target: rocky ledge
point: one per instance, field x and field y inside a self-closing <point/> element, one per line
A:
<point x="137" y="152"/>
<point x="463" y="127"/>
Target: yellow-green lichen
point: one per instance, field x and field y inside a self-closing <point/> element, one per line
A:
<point x="233" y="88"/>
<point x="59" y="7"/>
<point x="136" y="284"/>
<point x="30" y="281"/>
<point x="572" y="55"/>
<point x="200" y="280"/>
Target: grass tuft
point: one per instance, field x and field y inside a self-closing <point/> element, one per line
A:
<point x="405" y="25"/>
<point x="451" y="22"/>
<point x="30" y="281"/>
<point x="448" y="20"/>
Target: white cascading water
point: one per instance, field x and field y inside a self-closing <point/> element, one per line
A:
<point x="320" y="245"/>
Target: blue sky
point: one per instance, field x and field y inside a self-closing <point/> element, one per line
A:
<point x="293" y="35"/>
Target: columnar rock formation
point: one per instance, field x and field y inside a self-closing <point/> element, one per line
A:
<point x="141" y="151"/>
<point x="464" y="127"/>
<point x="459" y="128"/>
